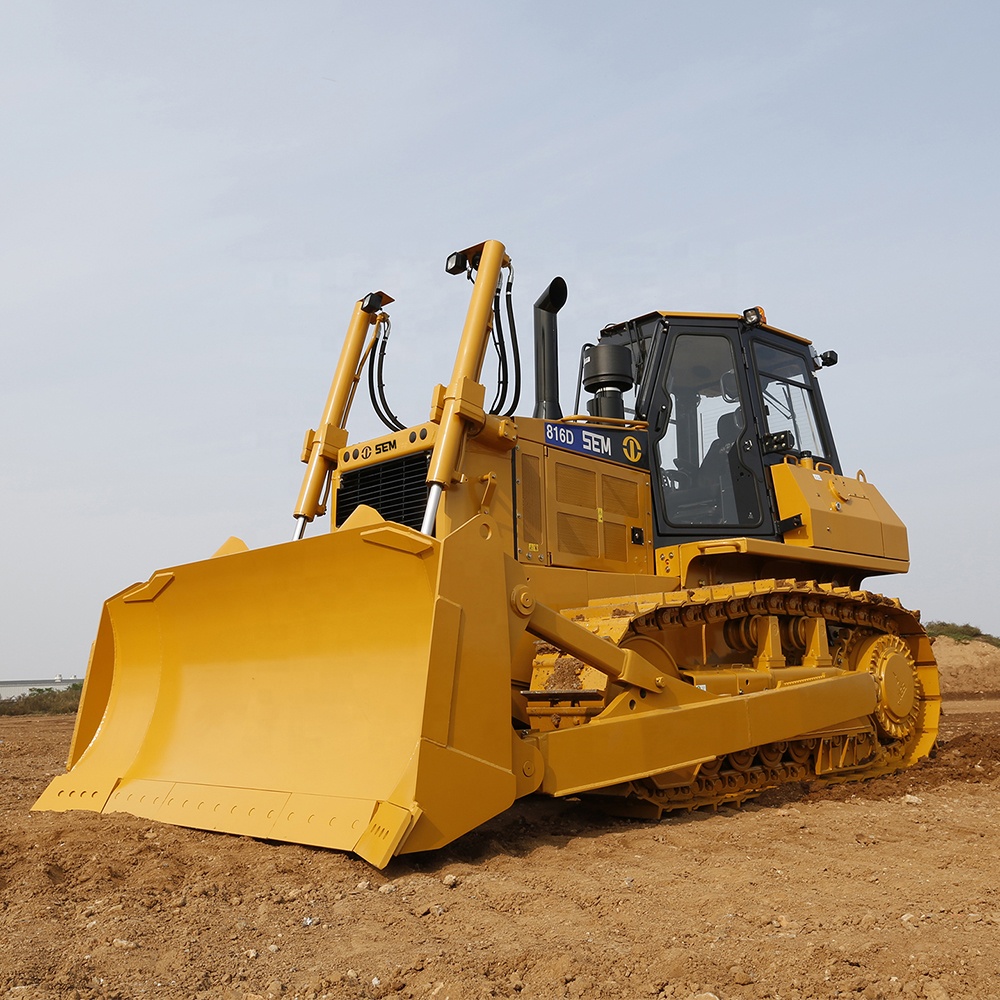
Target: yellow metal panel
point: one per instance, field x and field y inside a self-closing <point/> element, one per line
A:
<point x="560" y="587"/>
<point x="229" y="546"/>
<point x="895" y="544"/>
<point x="531" y="539"/>
<point x="464" y="789"/>
<point x="140" y="797"/>
<point x="486" y="489"/>
<point x="615" y="542"/>
<point x="400" y="538"/>
<point x="320" y="819"/>
<point x="591" y="508"/>
<point x="474" y="564"/>
<point x="148" y="591"/>
<point x="384" y="834"/>
<point x="440" y="695"/>
<point x="96" y="690"/>
<point x="838" y="513"/>
<point x="691" y="561"/>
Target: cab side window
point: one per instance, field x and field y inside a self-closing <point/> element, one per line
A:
<point x="703" y="480"/>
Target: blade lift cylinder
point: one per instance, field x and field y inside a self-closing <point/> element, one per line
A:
<point x="462" y="401"/>
<point x="322" y="446"/>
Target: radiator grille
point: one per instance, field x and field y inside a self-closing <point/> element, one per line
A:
<point x="397" y="489"/>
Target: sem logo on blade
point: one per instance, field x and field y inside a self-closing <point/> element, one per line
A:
<point x="632" y="448"/>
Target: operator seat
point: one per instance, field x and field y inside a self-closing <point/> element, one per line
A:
<point x="715" y="467"/>
<point x="709" y="499"/>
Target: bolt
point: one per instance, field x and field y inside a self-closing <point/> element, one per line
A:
<point x="522" y="601"/>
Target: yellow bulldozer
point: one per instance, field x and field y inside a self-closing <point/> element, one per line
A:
<point x="654" y="603"/>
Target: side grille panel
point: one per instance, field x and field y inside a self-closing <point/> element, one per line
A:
<point x="615" y="542"/>
<point x="597" y="514"/>
<point x="397" y="489"/>
<point x="576" y="486"/>
<point x="577" y="535"/>
<point x="531" y="503"/>
<point x="621" y="496"/>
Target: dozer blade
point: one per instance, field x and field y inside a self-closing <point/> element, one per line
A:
<point x="330" y="691"/>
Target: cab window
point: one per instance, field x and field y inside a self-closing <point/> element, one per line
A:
<point x="787" y="398"/>
<point x="703" y="479"/>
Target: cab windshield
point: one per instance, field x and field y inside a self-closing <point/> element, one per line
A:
<point x="787" y="396"/>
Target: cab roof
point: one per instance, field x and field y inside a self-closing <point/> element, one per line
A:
<point x="737" y="317"/>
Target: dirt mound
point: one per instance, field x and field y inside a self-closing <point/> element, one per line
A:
<point x="867" y="890"/>
<point x="968" y="669"/>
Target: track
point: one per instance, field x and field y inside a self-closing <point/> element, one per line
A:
<point x="736" y="638"/>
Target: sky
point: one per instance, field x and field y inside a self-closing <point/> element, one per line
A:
<point x="193" y="195"/>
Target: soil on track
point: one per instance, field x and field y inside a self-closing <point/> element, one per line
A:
<point x="877" y="890"/>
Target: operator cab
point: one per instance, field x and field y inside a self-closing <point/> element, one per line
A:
<point x="725" y="397"/>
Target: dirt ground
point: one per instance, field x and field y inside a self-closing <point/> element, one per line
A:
<point x="876" y="890"/>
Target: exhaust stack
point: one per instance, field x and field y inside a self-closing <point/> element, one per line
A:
<point x="547" y="350"/>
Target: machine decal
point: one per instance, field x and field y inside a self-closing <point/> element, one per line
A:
<point x="625" y="447"/>
<point x="380" y="448"/>
<point x="632" y="448"/>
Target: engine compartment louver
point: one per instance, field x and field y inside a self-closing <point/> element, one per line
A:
<point x="396" y="488"/>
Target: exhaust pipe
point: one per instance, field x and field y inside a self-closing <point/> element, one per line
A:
<point x="547" y="350"/>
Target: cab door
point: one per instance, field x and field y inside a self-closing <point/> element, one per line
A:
<point x="707" y="473"/>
